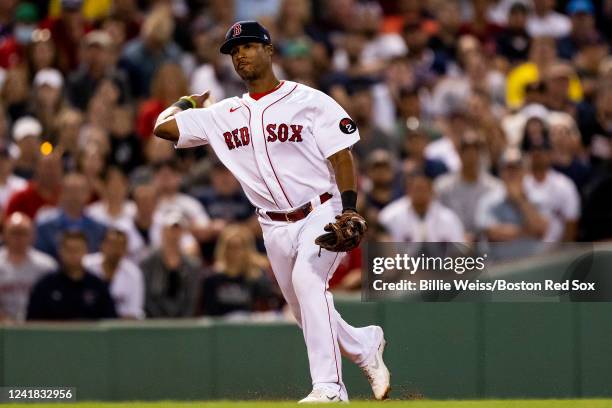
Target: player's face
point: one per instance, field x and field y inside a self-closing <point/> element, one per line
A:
<point x="251" y="60"/>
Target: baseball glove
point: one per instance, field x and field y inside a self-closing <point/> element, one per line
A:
<point x="344" y="234"/>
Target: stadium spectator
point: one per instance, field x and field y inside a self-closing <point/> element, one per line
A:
<point x="48" y="99"/>
<point x="9" y="183"/>
<point x="145" y="199"/>
<point x="567" y="150"/>
<point x="583" y="31"/>
<point x="141" y="57"/>
<point x="544" y="20"/>
<point x="380" y="186"/>
<point x="16" y="92"/>
<point x="125" y="279"/>
<point x="513" y="41"/>
<point x="550" y="191"/>
<point x="68" y="216"/>
<point x="125" y="145"/>
<point x="415" y="145"/>
<point x="20" y="267"/>
<point x="508" y="216"/>
<point x="67" y="129"/>
<point x="238" y="282"/>
<point x="71" y="293"/>
<point x="169" y="83"/>
<point x="67" y="29"/>
<point x="461" y="191"/>
<point x="42" y="52"/>
<point x="40" y="192"/>
<point x="26" y="135"/>
<point x="97" y="65"/>
<point x="116" y="210"/>
<point x="419" y="217"/>
<point x="171" y="276"/>
<point x="168" y="181"/>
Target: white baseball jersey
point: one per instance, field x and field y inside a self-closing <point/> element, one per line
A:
<point x="275" y="146"/>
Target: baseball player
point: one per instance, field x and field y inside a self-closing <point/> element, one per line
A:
<point x="288" y="146"/>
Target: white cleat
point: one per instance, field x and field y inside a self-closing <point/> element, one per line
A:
<point x="321" y="396"/>
<point x="377" y="372"/>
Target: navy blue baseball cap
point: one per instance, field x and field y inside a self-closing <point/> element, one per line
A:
<point x="244" y="32"/>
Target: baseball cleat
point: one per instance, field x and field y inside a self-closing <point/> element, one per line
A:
<point x="377" y="372"/>
<point x="321" y="396"/>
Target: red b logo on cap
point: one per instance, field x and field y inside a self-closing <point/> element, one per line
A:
<point x="237" y="29"/>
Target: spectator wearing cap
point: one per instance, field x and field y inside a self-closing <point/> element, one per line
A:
<point x="461" y="191"/>
<point x="171" y="275"/>
<point x="545" y="21"/>
<point x="513" y="41"/>
<point x="71" y="293"/>
<point x="554" y="194"/>
<point x="507" y="215"/>
<point x="583" y="31"/>
<point x="416" y="142"/>
<point x="97" y="65"/>
<point x="125" y="279"/>
<point x="69" y="216"/>
<point x="142" y="56"/>
<point x="48" y="97"/>
<point x="418" y="216"/>
<point x="27" y="132"/>
<point x="9" y="182"/>
<point x="381" y="184"/>
<point x="40" y="192"/>
<point x="20" y="267"/>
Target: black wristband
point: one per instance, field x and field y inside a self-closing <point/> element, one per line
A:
<point x="184" y="104"/>
<point x="349" y="200"/>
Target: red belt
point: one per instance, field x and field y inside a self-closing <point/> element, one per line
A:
<point x="298" y="214"/>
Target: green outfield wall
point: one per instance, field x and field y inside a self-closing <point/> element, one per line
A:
<point x="442" y="350"/>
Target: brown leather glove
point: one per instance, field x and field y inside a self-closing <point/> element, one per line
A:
<point x="343" y="235"/>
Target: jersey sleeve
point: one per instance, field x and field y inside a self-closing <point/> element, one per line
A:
<point x="333" y="128"/>
<point x="192" y="125"/>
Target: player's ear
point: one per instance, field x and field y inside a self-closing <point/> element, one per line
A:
<point x="270" y="49"/>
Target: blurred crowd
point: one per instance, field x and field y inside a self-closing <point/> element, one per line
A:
<point x="481" y="121"/>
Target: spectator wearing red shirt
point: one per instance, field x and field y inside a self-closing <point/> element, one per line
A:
<point x="42" y="191"/>
<point x="169" y="84"/>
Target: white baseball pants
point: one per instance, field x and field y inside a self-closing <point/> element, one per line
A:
<point x="303" y="278"/>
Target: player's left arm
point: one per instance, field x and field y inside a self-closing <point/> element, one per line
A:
<point x="344" y="170"/>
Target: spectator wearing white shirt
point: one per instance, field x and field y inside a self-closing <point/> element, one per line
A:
<point x="126" y="282"/>
<point x="20" y="267"/>
<point x="507" y="215"/>
<point x="116" y="210"/>
<point x="418" y="217"/>
<point x="552" y="192"/>
<point x="545" y="21"/>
